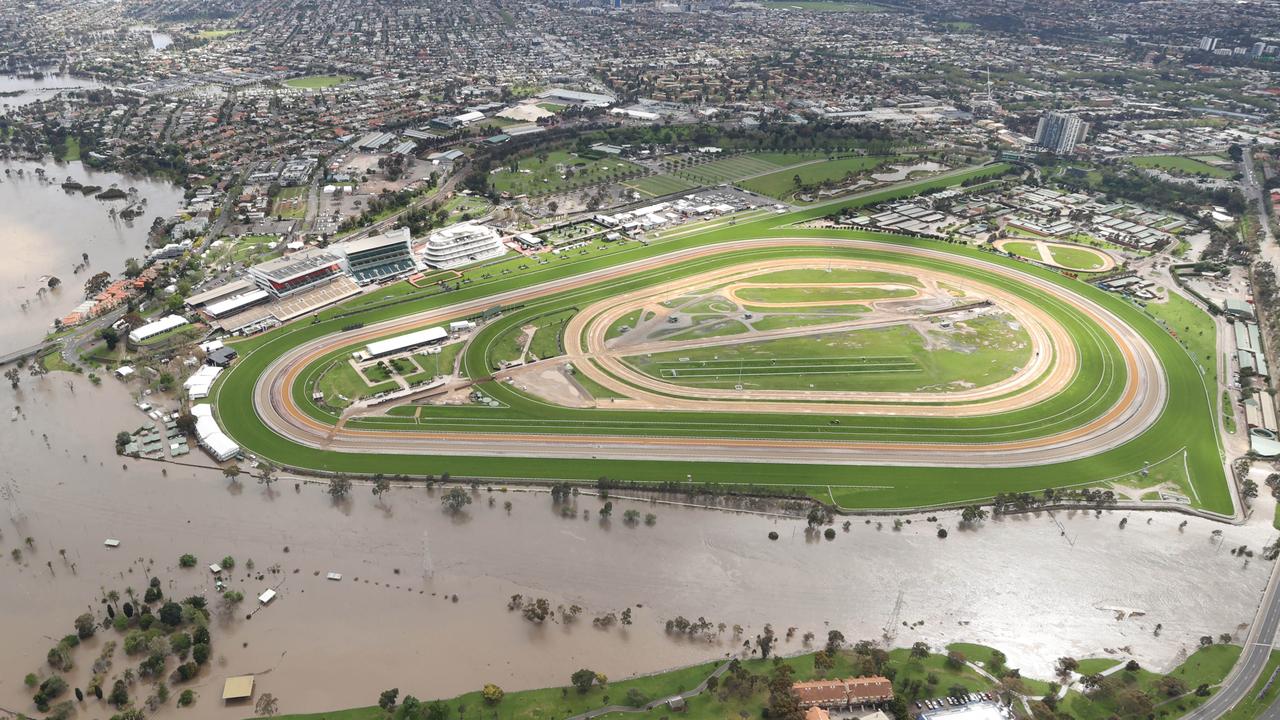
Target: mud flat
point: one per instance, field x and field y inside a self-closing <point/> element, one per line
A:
<point x="1036" y="586"/>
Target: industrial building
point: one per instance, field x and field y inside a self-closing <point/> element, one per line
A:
<point x="1059" y="132"/>
<point x="378" y="258"/>
<point x="402" y="343"/>
<point x="462" y="244"/>
<point x="297" y="272"/>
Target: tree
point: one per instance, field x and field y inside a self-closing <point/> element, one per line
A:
<point x="171" y="614"/>
<point x="231" y="473"/>
<point x="955" y="659"/>
<point x="187" y="560"/>
<point x="1066" y="666"/>
<point x="110" y="336"/>
<point x="783" y="704"/>
<point x="85" y="626"/>
<point x="920" y="650"/>
<point x="339" y="486"/>
<point x="119" y="694"/>
<point x="492" y="694"/>
<point x="267" y="705"/>
<point x="436" y="710"/>
<point x="387" y="700"/>
<point x="380" y="486"/>
<point x="972" y="514"/>
<point x="835" y="640"/>
<point x="765" y="641"/>
<point x="583" y="679"/>
<point x="455" y="500"/>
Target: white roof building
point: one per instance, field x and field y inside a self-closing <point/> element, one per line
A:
<point x="201" y="381"/>
<point x="154" y="328"/>
<point x="378" y="348"/>
<point x="462" y="244"/>
<point x="210" y="436"/>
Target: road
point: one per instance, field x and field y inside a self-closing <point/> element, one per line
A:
<point x="1257" y="650"/>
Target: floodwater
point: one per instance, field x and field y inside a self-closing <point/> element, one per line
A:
<point x="32" y="89"/>
<point x="1038" y="587"/>
<point x="160" y="40"/>
<point x="44" y="230"/>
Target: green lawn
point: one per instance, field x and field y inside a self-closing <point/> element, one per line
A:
<point x="342" y="385"/>
<point x="291" y="203"/>
<point x="654" y="185"/>
<point x="1080" y="259"/>
<point x="557" y="171"/>
<point x="1179" y="165"/>
<point x="818" y="293"/>
<point x="216" y="34"/>
<point x="317" y="82"/>
<point x="1092" y="666"/>
<point x="782" y="184"/>
<point x="892" y="359"/>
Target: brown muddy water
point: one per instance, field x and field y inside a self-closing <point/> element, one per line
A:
<point x="1037" y="586"/>
<point x="44" y="230"/>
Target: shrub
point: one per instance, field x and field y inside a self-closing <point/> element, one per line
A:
<point x="187" y="561"/>
<point x="188" y="697"/>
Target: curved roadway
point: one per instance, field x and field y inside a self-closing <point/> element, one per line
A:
<point x="1141" y="403"/>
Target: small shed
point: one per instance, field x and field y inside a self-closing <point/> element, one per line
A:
<point x="334" y="576"/>
<point x="215" y="568"/>
<point x="111" y="543"/>
<point x="267" y="596"/>
<point x="676" y="704"/>
<point x="237" y="688"/>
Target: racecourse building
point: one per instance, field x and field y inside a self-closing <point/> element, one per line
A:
<point x="295" y="273"/>
<point x="462" y="244"/>
<point x="378" y="258"/>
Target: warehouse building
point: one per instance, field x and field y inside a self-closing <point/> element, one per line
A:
<point x="297" y="272"/>
<point x="378" y="258"/>
<point x="462" y="244"/>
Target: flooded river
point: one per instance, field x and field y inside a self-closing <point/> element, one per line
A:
<point x="1037" y="586"/>
<point x="17" y="91"/>
<point x="45" y="230"/>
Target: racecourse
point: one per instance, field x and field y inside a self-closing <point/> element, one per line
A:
<point x="1132" y="396"/>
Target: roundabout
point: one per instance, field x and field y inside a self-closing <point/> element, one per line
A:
<point x="849" y="351"/>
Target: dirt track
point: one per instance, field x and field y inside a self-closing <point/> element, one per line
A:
<point x="1141" y="402"/>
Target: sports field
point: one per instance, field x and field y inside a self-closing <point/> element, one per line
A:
<point x="1180" y="165"/>
<point x="1076" y="258"/>
<point x="737" y="167"/>
<point x="1180" y="418"/>
<point x="654" y="185"/>
<point x="317" y="82"/>
<point x="782" y="184"/>
<point x="558" y="171"/>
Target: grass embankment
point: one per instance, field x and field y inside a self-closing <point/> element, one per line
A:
<point x="737" y="696"/>
<point x="1183" y="422"/>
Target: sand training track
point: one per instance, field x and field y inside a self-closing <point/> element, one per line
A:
<point x="1140" y="404"/>
<point x="584" y="340"/>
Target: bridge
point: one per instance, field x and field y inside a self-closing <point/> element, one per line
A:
<point x="30" y="351"/>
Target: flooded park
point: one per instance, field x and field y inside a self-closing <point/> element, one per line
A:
<point x="422" y="600"/>
<point x="46" y="231"/>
